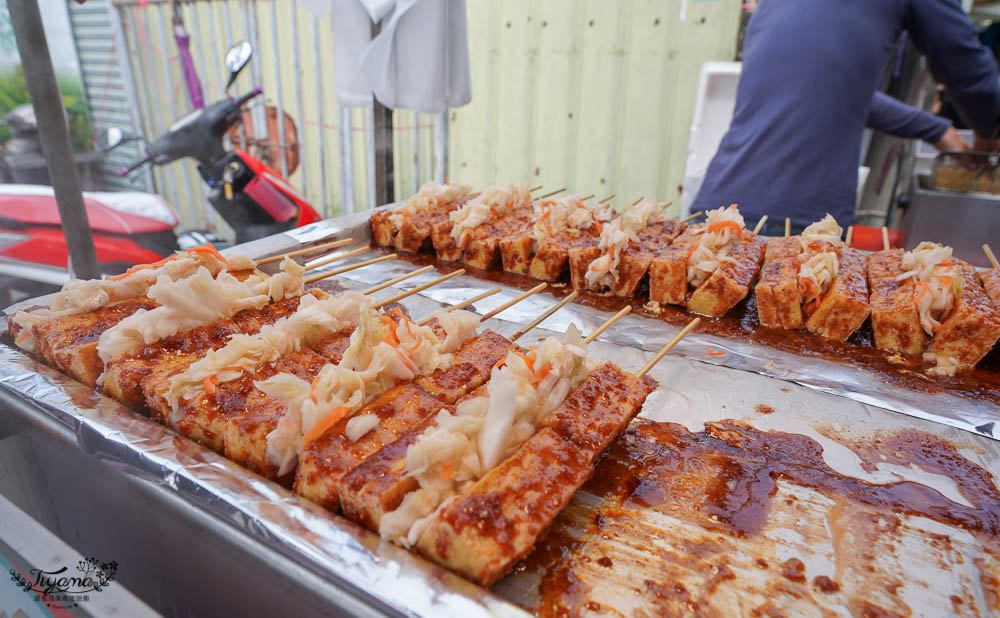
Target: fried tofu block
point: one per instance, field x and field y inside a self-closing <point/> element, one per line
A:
<point x="845" y="306"/>
<point x="783" y="247"/>
<point x="251" y="320"/>
<point x="638" y="255"/>
<point x="668" y="277"/>
<point x="991" y="283"/>
<point x="482" y="250"/>
<point x="70" y="342"/>
<point x="123" y="376"/>
<point x="496" y="522"/>
<point x="778" y="302"/>
<point x="378" y="485"/>
<point x="895" y="321"/>
<point x="972" y="328"/>
<point x="597" y="412"/>
<point x="444" y="245"/>
<point x="885" y="265"/>
<point x="383" y="231"/>
<point x="247" y="427"/>
<point x="579" y="263"/>
<point x="415" y="232"/>
<point x="730" y="282"/>
<point x="156" y="383"/>
<point x="325" y="460"/>
<point x="473" y="362"/>
<point x="516" y="252"/>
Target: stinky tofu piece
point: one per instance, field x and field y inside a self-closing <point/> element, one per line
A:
<point x="473" y="362"/>
<point x="415" y="232"/>
<point x="778" y="302"/>
<point x="895" y="321"/>
<point x="250" y="321"/>
<point x="496" y="521"/>
<point x="885" y="265"/>
<point x="383" y="231"/>
<point x="783" y="247"/>
<point x="599" y="409"/>
<point x="579" y="263"/>
<point x="991" y="283"/>
<point x="730" y="282"/>
<point x="637" y="256"/>
<point x="972" y="328"/>
<point x="482" y="249"/>
<point x="123" y="376"/>
<point x="845" y="306"/>
<point x="516" y="252"/>
<point x="444" y="245"/>
<point x="668" y="276"/>
<point x="378" y="485"/>
<point x="555" y="253"/>
<point x="248" y="425"/>
<point x="325" y="460"/>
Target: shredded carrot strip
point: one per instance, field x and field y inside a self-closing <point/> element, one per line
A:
<point x="922" y="290"/>
<point x="529" y="359"/>
<point x="23" y="336"/>
<point x="545" y="215"/>
<point x="544" y="371"/>
<point x="500" y="363"/>
<point x="391" y="338"/>
<point x="447" y="180"/>
<point x="691" y="251"/>
<point x="447" y="471"/>
<point x="325" y="423"/>
<point x="946" y="280"/>
<point x="735" y="227"/>
<point x="209" y="249"/>
<point x="406" y="360"/>
<point x="600" y="226"/>
<point x="209" y="385"/>
<point x="711" y="352"/>
<point x="140" y="267"/>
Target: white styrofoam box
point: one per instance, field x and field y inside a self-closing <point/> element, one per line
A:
<point x="713" y="111"/>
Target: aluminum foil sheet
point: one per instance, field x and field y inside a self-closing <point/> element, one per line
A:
<point x="649" y="334"/>
<point x="692" y="391"/>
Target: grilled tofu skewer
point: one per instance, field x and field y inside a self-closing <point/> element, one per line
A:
<point x="326" y="457"/>
<point x="408" y="227"/>
<point x="813" y="281"/>
<point x="498" y="515"/>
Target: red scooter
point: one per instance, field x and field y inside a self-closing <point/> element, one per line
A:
<point x="133" y="227"/>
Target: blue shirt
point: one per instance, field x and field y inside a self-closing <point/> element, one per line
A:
<point x="811" y="69"/>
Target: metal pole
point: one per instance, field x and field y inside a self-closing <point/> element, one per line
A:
<point x="319" y="118"/>
<point x="416" y="151"/>
<point x="382" y="128"/>
<point x="53" y="132"/>
<point x="277" y="99"/>
<point x="345" y="130"/>
<point x="441" y="147"/>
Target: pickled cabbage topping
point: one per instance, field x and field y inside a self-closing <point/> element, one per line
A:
<point x="196" y="300"/>
<point x="826" y="231"/>
<point x="462" y="447"/>
<point x="937" y="283"/>
<point x="79" y="296"/>
<point x="430" y="195"/>
<point x="567" y="213"/>
<point x="313" y="320"/>
<point x="943" y="365"/>
<point x="360" y="425"/>
<point x="382" y="353"/>
<point x="615" y="236"/>
<point x="496" y="201"/>
<point x="816" y="274"/>
<point x="723" y="228"/>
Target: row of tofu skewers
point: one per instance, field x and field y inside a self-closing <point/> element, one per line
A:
<point x="926" y="306"/>
<point x="438" y="434"/>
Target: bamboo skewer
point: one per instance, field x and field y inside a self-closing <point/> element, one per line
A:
<point x="307" y="250"/>
<point x="885" y="238"/>
<point x="989" y="255"/>
<point x="849" y="236"/>
<point x="419" y="288"/>
<point x="337" y="258"/>
<point x="637" y="200"/>
<point x="788" y="227"/>
<point x="692" y="216"/>
<point x="556" y="307"/>
<point x="533" y="189"/>
<point x="760" y="225"/>
<point x="396" y="280"/>
<point x="603" y="327"/>
<point x="606" y="199"/>
<point x="345" y="269"/>
<point x="461" y="305"/>
<point x="670" y="344"/>
<point x="586" y="197"/>
<point x="550" y="194"/>
<point x="538" y="288"/>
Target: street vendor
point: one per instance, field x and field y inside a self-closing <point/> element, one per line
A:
<point x="808" y="90"/>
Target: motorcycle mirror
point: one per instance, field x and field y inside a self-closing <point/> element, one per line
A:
<point x="111" y="138"/>
<point x="236" y="59"/>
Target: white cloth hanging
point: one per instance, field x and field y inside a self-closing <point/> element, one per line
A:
<point x="418" y="61"/>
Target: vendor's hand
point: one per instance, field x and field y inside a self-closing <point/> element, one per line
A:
<point x="951" y="140"/>
<point x="986" y="145"/>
